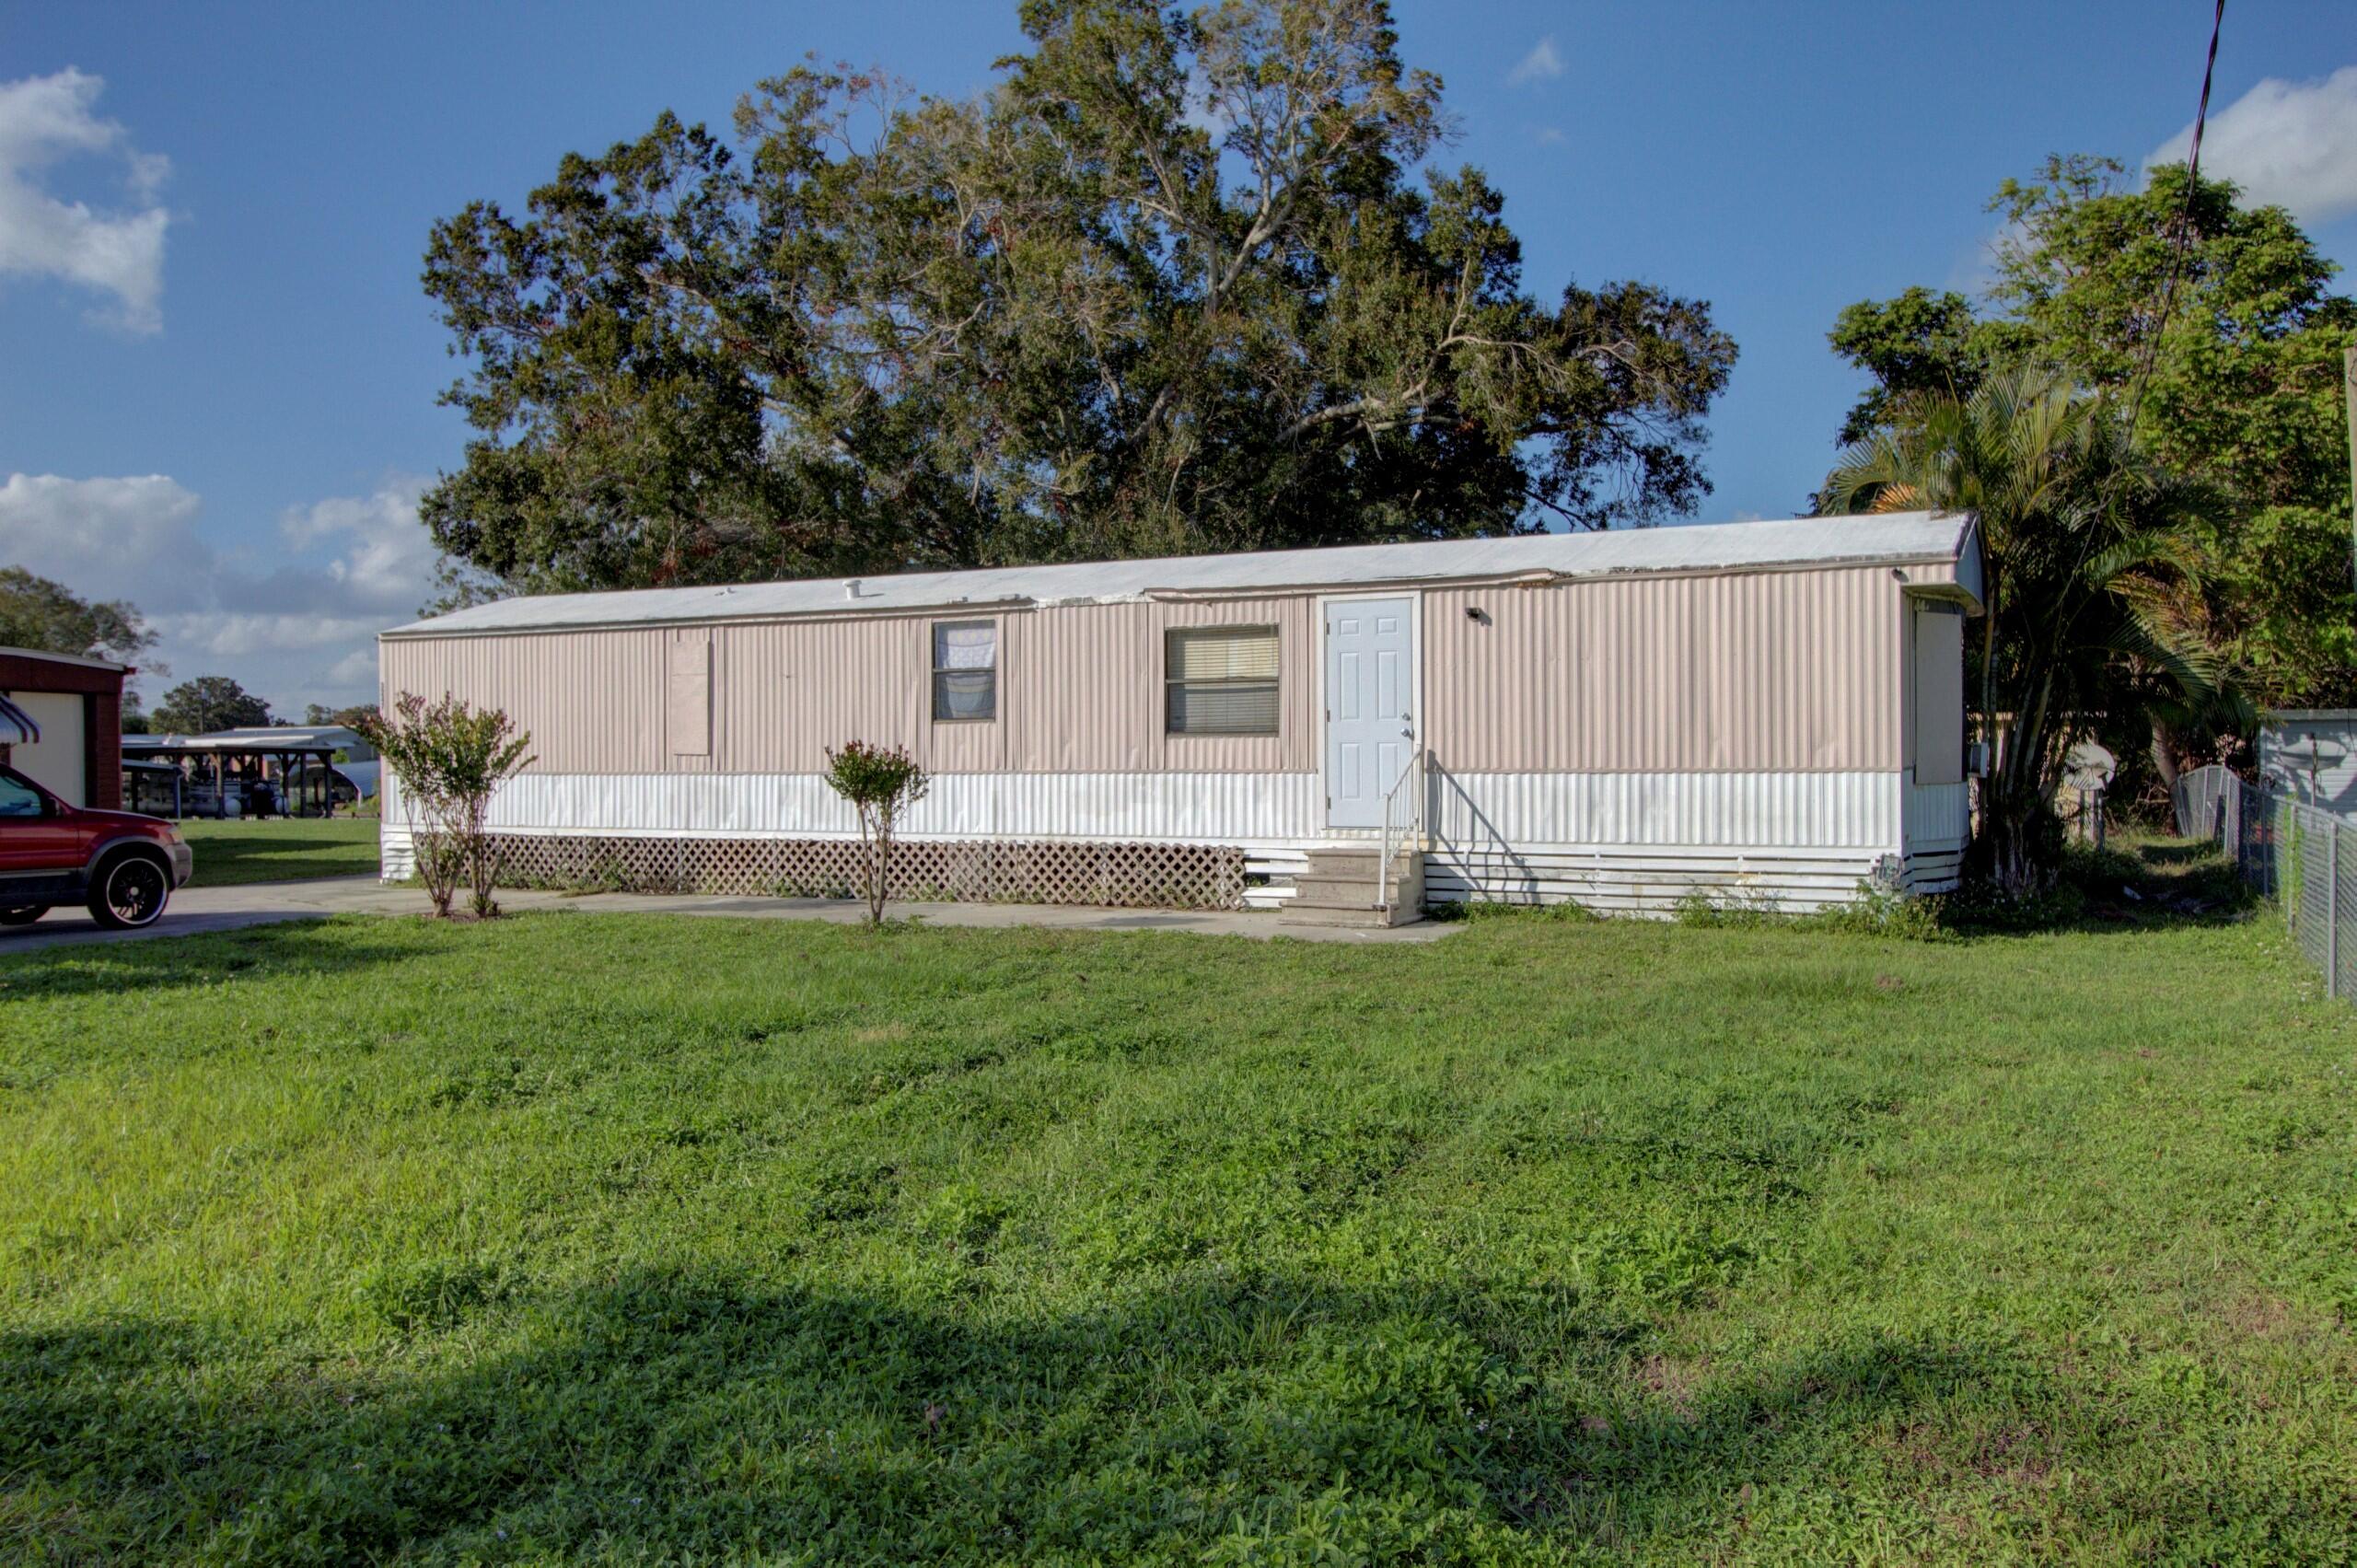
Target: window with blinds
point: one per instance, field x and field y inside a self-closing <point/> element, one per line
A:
<point x="1221" y="679"/>
<point x="964" y="669"/>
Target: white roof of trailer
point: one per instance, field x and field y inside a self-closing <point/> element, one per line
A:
<point x="1800" y="542"/>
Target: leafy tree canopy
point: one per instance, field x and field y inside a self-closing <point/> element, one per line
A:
<point x="2092" y="577"/>
<point x="37" y="613"/>
<point x="2244" y="394"/>
<point x="207" y="703"/>
<point x="353" y="717"/>
<point x="1168" y="287"/>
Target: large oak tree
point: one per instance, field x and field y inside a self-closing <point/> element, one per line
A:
<point x="1175" y="283"/>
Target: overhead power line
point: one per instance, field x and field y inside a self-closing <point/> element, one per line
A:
<point x="2184" y="229"/>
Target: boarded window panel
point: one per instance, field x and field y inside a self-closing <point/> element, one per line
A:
<point x="687" y="698"/>
<point x="1939" y="695"/>
<point x="965" y="670"/>
<point x="1221" y="679"/>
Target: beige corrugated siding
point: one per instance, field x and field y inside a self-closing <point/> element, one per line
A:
<point x="1771" y="672"/>
<point x="1080" y="691"/>
<point x="1085" y="691"/>
<point x="593" y="701"/>
<point x="1767" y="671"/>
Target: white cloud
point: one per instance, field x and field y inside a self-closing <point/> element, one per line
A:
<point x="295" y="625"/>
<point x="1542" y="62"/>
<point x="44" y="120"/>
<point x="384" y="557"/>
<point x="2291" y="144"/>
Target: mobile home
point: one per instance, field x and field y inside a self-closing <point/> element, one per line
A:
<point x="1766" y="713"/>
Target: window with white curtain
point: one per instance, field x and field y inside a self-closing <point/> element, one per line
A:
<point x="964" y="669"/>
<point x="1220" y="679"/>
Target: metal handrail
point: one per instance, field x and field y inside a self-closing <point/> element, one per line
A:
<point x="1414" y="771"/>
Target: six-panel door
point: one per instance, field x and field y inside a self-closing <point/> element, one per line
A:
<point x="1370" y="686"/>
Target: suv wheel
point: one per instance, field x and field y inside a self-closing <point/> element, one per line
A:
<point x="24" y="916"/>
<point x="131" y="891"/>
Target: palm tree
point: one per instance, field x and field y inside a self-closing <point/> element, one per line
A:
<point x="2093" y="580"/>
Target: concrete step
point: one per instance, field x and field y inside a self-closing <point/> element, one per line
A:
<point x="1309" y="914"/>
<point x="1339" y="884"/>
<point x="1356" y="884"/>
<point x="1324" y="864"/>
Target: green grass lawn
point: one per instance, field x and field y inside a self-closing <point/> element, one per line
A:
<point x="619" y="1239"/>
<point x="280" y="848"/>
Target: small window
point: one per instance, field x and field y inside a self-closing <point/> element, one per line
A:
<point x="1221" y="679"/>
<point x="964" y="669"/>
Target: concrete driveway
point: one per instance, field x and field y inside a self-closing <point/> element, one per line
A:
<point x="194" y="911"/>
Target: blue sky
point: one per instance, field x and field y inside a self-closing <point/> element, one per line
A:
<point x="218" y="376"/>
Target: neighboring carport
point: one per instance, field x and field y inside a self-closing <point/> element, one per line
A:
<point x="223" y="767"/>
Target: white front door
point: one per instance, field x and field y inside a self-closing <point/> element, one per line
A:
<point x="1370" y="681"/>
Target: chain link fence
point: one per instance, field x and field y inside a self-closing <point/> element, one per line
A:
<point x="2303" y="859"/>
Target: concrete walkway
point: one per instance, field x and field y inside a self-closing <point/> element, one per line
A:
<point x="199" y="909"/>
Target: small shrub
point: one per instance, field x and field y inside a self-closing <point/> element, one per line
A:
<point x="880" y="782"/>
<point x="450" y="758"/>
<point x="1881" y="912"/>
<point x="1563" y="911"/>
<point x="1734" y="906"/>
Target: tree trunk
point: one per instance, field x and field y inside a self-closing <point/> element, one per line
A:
<point x="2018" y="848"/>
<point x="2165" y="755"/>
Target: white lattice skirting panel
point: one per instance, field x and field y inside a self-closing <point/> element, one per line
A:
<point x="1129" y="876"/>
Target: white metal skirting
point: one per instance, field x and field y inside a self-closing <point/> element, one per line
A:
<point x="1627" y="841"/>
<point x="1162" y="808"/>
<point x="1649" y="882"/>
<point x="1934" y="871"/>
<point x="1939" y="816"/>
<point x="1647" y="842"/>
<point x="1831" y="810"/>
<point x="1253" y="811"/>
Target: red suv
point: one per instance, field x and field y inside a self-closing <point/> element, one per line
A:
<point x="123" y="867"/>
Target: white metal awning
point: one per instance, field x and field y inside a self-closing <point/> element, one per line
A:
<point x="16" y="726"/>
